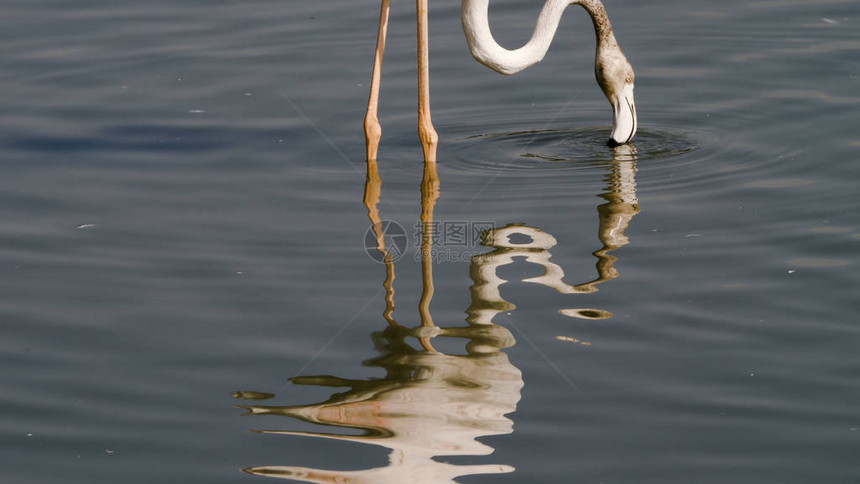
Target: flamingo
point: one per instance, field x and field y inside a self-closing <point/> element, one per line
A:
<point x="612" y="70"/>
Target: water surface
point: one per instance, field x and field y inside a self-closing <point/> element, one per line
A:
<point x="185" y="214"/>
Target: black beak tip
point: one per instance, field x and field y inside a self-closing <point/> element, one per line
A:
<point x="612" y="143"/>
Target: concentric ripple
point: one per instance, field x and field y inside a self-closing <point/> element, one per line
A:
<point x="562" y="149"/>
<point x="698" y="163"/>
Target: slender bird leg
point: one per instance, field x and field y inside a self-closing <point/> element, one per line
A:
<point x="429" y="138"/>
<point x="372" y="129"/>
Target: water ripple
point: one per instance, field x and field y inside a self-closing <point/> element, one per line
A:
<point x="539" y="152"/>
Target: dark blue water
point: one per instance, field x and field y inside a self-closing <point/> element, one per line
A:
<point x="185" y="215"/>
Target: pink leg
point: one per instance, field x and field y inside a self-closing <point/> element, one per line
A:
<point x="429" y="138"/>
<point x="372" y="129"/>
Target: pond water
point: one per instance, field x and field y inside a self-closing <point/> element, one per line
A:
<point x="192" y="289"/>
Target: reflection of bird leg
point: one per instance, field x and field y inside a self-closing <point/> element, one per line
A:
<point x="429" y="194"/>
<point x="372" y="192"/>
<point x="615" y="215"/>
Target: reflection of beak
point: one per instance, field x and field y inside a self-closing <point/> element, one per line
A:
<point x="624" y="117"/>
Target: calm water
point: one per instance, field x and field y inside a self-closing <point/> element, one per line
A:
<point x="185" y="207"/>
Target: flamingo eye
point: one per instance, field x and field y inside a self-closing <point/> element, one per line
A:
<point x="629" y="79"/>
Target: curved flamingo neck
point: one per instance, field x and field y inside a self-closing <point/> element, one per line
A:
<point x="485" y="49"/>
<point x="600" y="20"/>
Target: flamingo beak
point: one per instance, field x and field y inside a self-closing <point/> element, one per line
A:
<point x="624" y="117"/>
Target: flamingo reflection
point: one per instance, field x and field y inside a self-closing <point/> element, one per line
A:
<point x="430" y="404"/>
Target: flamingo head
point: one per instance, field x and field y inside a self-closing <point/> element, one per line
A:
<point x="615" y="77"/>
